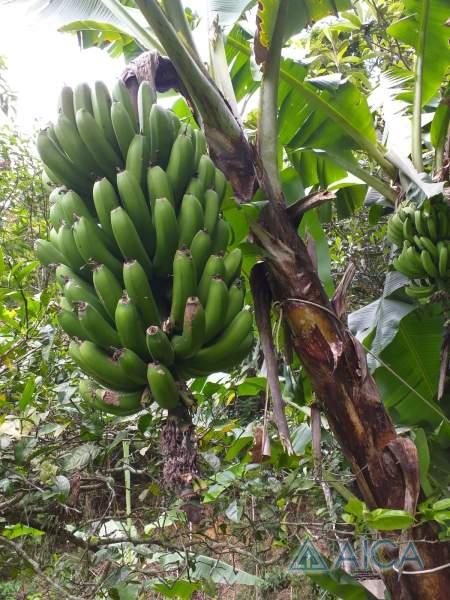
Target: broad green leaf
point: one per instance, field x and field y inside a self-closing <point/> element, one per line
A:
<point x="81" y="456"/>
<point x="19" y="530"/>
<point x="27" y="394"/>
<point x="181" y="589"/>
<point x="384" y="519"/>
<point x="341" y="585"/>
<point x="427" y="19"/>
<point x="234" y="511"/>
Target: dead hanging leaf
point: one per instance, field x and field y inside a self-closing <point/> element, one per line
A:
<point x="265" y="24"/>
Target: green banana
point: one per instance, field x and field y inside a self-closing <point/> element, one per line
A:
<point x="97" y="329"/>
<point x="70" y="141"/>
<point x="47" y="182"/>
<point x="138" y="157"/>
<point x="166" y="227"/>
<point x="429" y="265"/>
<point x="105" y="201"/>
<point x="211" y="211"/>
<point x="233" y="264"/>
<point x="132" y="365"/>
<point x="128" y="239"/>
<point x="190" y="220"/>
<point x="53" y="237"/>
<point x="158" y="185"/>
<point x="63" y="168"/>
<point x="137" y="208"/>
<point x="91" y="248"/>
<point x="418" y="223"/>
<point x="419" y="292"/>
<point x="130" y="327"/>
<point x="216" y="307"/>
<point x="219" y="352"/>
<point x="65" y="103"/>
<point x="432" y="226"/>
<point x="443" y="259"/>
<point x="405" y="268"/>
<point x="200" y="147"/>
<point x="221" y="237"/>
<point x="162" y="386"/>
<point x="101" y="105"/>
<point x="413" y="258"/>
<point x="236" y="296"/>
<point x="393" y="234"/>
<point x="47" y="254"/>
<point x="196" y="189"/>
<point x="428" y="245"/>
<point x="180" y="167"/>
<point x="146" y="98"/>
<point x="77" y="291"/>
<point x="192" y="338"/>
<point x="69" y="322"/>
<point x="121" y="94"/>
<point x="56" y="195"/>
<point x="161" y="136"/>
<point x="214" y="266"/>
<point x="443" y="221"/>
<point x="56" y="215"/>
<point x="159" y="346"/>
<point x="184" y="285"/>
<point x="108" y="288"/>
<point x="120" y="404"/>
<point x="201" y="248"/>
<point x="206" y="172"/>
<point x="96" y="142"/>
<point x="73" y="206"/>
<point x="140" y="292"/>
<point x="123" y="127"/>
<point x="103" y="367"/>
<point x="64" y="273"/>
<point x="220" y="184"/>
<point x="68" y="248"/>
<point x="408" y="230"/>
<point x="174" y="121"/>
<point x="82" y="98"/>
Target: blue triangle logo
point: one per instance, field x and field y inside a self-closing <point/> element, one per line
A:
<point x="307" y="558"/>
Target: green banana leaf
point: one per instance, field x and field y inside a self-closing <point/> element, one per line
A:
<point x="425" y="28"/>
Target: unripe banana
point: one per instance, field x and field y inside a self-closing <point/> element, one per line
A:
<point x="63" y="273"/>
<point x="162" y="386"/>
<point x="201" y="248"/>
<point x="103" y="367"/>
<point x="140" y="292"/>
<point x="48" y="183"/>
<point x="418" y="223"/>
<point x="420" y="292"/>
<point x="53" y="237"/>
<point x="220" y="184"/>
<point x="105" y="201"/>
<point x="393" y="234"/>
<point x="211" y="211"/>
<point x="121" y="404"/>
<point x="65" y="103"/>
<point x="190" y="220"/>
<point x="209" y="357"/>
<point x="200" y="147"/>
<point x="158" y="186"/>
<point x="192" y="338"/>
<point x="429" y="265"/>
<point x="128" y="239"/>
<point x="123" y="127"/>
<point x="216" y="307"/>
<point x="68" y="247"/>
<point x="233" y="264"/>
<point x="196" y="189"/>
<point x="443" y="222"/>
<point x="101" y="105"/>
<point x="408" y="230"/>
<point x="161" y="135"/>
<point x="98" y="145"/>
<point x="108" y="288"/>
<point x="82" y="98"/>
<point x="175" y="123"/>
<point x="166" y="227"/>
<point x="77" y="291"/>
<point x="145" y="100"/>
<point x="92" y="249"/>
<point x="137" y="208"/>
<point x="70" y="141"/>
<point x="236" y="296"/>
<point x="121" y="94"/>
<point x="443" y="259"/>
<point x="221" y="237"/>
<point x="73" y="206"/>
<point x="97" y="329"/>
<point x="56" y="195"/>
<point x="428" y="245"/>
<point x="69" y="322"/>
<point x="180" y="167"/>
<point x="432" y="226"/>
<point x="61" y="166"/>
<point x="214" y="266"/>
<point x="47" y="254"/>
<point x="184" y="285"/>
<point x="130" y="327"/>
<point x="138" y="157"/>
<point x="56" y="215"/>
<point x="206" y="172"/>
<point x="159" y="346"/>
<point x="132" y="365"/>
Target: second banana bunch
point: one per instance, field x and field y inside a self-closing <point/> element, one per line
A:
<point x="423" y="238"/>
<point x="150" y="294"/>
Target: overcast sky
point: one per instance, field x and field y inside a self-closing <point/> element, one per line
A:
<point x="41" y="60"/>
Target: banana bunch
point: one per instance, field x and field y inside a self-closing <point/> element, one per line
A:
<point x="150" y="295"/>
<point x="423" y="238"/>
